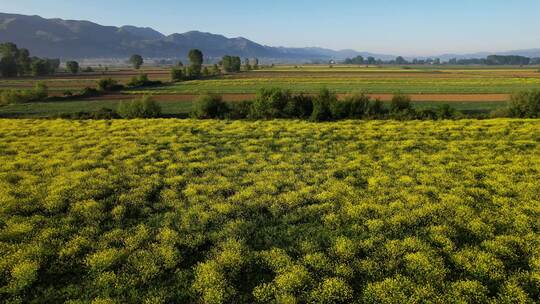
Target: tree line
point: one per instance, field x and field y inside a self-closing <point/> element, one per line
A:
<point x="276" y="103"/>
<point x="196" y="69"/>
<point x="18" y="62"/>
<point x="489" y="60"/>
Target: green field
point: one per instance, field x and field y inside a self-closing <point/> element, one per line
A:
<point x="56" y="109"/>
<point x="342" y="79"/>
<point x="193" y="211"/>
<point x="371" y="80"/>
<point x="469" y="89"/>
<point x="180" y="108"/>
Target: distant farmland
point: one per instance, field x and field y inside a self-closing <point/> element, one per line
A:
<point x="371" y="80"/>
<point x="467" y="88"/>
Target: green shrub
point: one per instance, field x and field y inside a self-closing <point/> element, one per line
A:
<point x="177" y="74"/>
<point x="355" y="106"/>
<point x="193" y="71"/>
<point x="445" y="111"/>
<point x="13" y="96"/>
<point x="525" y="104"/>
<point x="270" y="103"/>
<point x="105" y="113"/>
<point x="109" y="85"/>
<point x="145" y="107"/>
<point x="322" y="105"/>
<point x="340" y="109"/>
<point x="359" y="104"/>
<point x="205" y="72"/>
<point x="209" y="106"/>
<point x="499" y="113"/>
<point x="142" y="81"/>
<point x="401" y="107"/>
<point x="39" y="92"/>
<point x="89" y="92"/>
<point x="400" y="103"/>
<point x="299" y="106"/>
<point x="427" y="114"/>
<point x="376" y="109"/>
<point x="239" y="110"/>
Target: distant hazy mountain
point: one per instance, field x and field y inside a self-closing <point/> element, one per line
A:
<point x="145" y="33"/>
<point x="84" y="39"/>
<point x="70" y="39"/>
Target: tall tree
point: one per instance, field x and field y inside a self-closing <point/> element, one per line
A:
<point x="236" y="64"/>
<point x="215" y="70"/>
<point x="231" y="64"/>
<point x="8" y="62"/>
<point x="24" y="62"/>
<point x="247" y="65"/>
<point x="196" y="61"/>
<point x="256" y="63"/>
<point x="72" y="66"/>
<point x="8" y="66"/>
<point x="195" y="57"/>
<point x="136" y="61"/>
<point x="40" y="67"/>
<point x="355" y="60"/>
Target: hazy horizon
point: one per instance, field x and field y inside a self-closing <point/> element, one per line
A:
<point x="414" y="28"/>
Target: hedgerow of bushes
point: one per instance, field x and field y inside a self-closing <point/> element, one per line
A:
<point x="144" y="107"/>
<point x="325" y="106"/>
<point x="39" y="92"/>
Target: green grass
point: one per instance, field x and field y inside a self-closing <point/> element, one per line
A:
<point x="309" y="79"/>
<point x="54" y="109"/>
<point x="342" y="79"/>
<point x="177" y="108"/>
<point x="487" y="106"/>
<point x="410" y="85"/>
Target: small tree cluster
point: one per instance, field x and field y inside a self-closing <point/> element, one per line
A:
<point x="109" y="85"/>
<point x="39" y="92"/>
<point x="355" y="60"/>
<point x="210" y="106"/>
<point x="72" y="67"/>
<point x="144" y="107"/>
<point x="231" y="64"/>
<point x="195" y="69"/>
<point x="43" y="67"/>
<point x="136" y="61"/>
<point x="142" y="81"/>
<point x="17" y="62"/>
<point x="525" y="104"/>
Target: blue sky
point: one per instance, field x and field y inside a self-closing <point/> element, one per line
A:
<point x="405" y="27"/>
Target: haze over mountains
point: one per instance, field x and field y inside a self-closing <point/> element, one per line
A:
<point x="71" y="39"/>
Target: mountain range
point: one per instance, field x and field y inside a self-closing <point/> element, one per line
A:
<point x="73" y="39"/>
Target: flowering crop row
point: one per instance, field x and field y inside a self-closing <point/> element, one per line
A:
<point x="186" y="211"/>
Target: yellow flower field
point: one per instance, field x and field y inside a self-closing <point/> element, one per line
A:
<point x="188" y="211"/>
